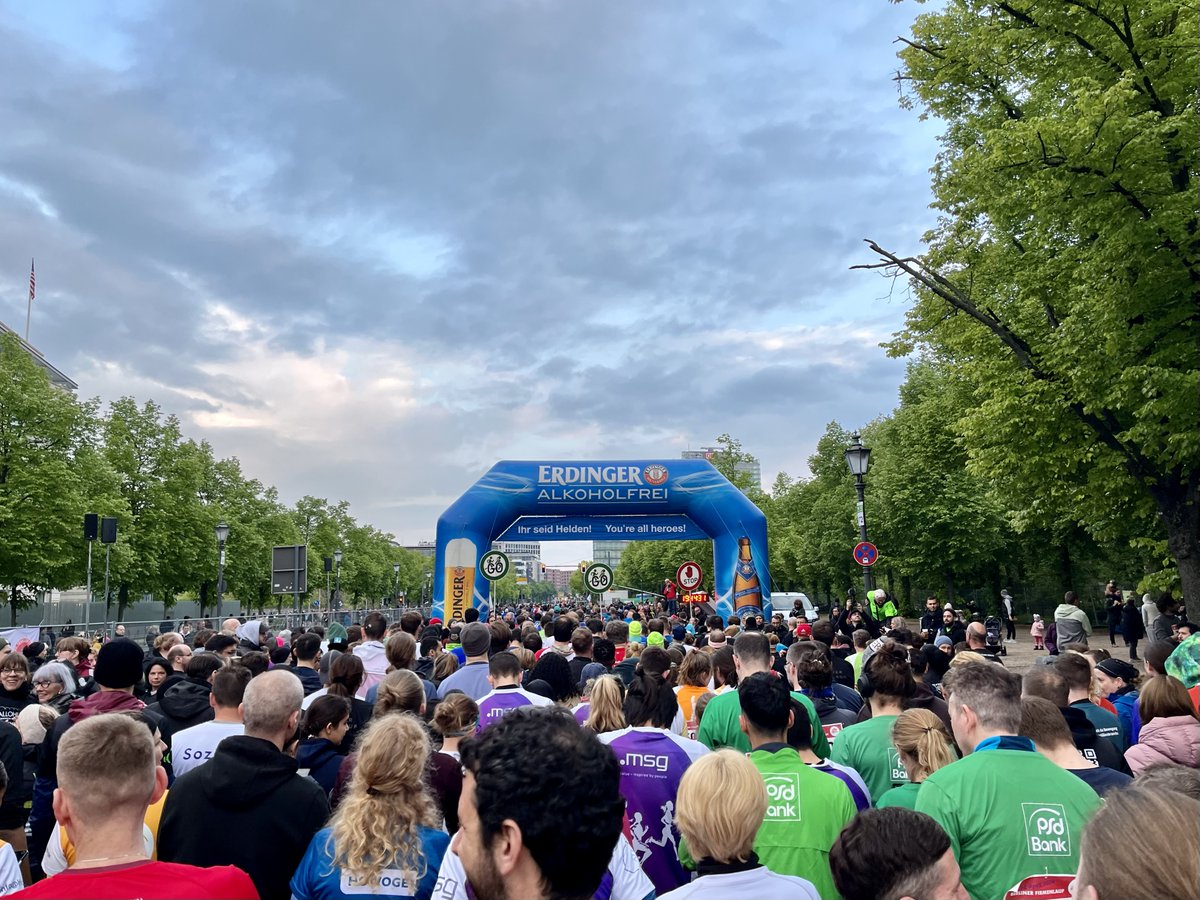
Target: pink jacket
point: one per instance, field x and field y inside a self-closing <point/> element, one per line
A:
<point x="1169" y="739"/>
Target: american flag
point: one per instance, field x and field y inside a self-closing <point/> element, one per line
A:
<point x="32" y="282"/>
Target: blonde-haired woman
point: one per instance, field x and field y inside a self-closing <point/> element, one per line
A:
<point x="383" y="839"/>
<point x="606" y="700"/>
<point x="720" y="826"/>
<point x="924" y="747"/>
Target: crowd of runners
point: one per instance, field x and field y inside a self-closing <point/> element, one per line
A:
<point x="621" y="754"/>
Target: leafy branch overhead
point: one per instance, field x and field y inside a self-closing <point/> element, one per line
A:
<point x="1062" y="282"/>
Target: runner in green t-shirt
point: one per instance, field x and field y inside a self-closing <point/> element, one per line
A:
<point x="1010" y="812"/>
<point x="924" y="746"/>
<point x="806" y="809"/>
<point x="719" y="727"/>
<point x="886" y="681"/>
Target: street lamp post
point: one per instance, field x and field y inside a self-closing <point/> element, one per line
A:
<point x="337" y="579"/>
<point x="222" y="532"/>
<point x="858" y="458"/>
<point x="425" y="589"/>
<point x="395" y="582"/>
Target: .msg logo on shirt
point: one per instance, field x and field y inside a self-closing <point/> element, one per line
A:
<point x="783" y="798"/>
<point x="1046" y="829"/>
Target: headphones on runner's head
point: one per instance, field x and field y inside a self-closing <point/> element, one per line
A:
<point x="866" y="687"/>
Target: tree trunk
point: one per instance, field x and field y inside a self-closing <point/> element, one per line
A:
<point x="1180" y="511"/>
<point x="949" y="587"/>
<point x="122" y="600"/>
<point x="203" y="598"/>
<point x="906" y="591"/>
<point x="1066" y="567"/>
<point x="13" y="598"/>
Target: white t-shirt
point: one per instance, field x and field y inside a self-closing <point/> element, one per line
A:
<point x="54" y="860"/>
<point x="194" y="746"/>
<point x="760" y="883"/>
<point x="308" y="701"/>
<point x="10" y="870"/>
<point x="629" y="882"/>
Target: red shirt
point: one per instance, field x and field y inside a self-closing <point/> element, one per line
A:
<point x="147" y="880"/>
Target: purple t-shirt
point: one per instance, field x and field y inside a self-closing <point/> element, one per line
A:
<point x="652" y="763"/>
<point x="582" y="711"/>
<point x="502" y="700"/>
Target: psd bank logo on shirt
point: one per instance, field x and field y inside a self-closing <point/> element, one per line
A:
<point x="783" y="797"/>
<point x="1046" y="829"/>
<point x="899" y="773"/>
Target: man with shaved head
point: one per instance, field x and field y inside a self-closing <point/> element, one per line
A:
<point x="248" y="806"/>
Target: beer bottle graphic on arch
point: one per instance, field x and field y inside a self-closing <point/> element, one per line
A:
<point x="747" y="590"/>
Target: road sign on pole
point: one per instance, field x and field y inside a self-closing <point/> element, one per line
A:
<point x="865" y="553"/>
<point x="598" y="578"/>
<point x="689" y="575"/>
<point x="494" y="565"/>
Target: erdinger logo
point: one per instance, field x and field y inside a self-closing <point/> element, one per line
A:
<point x="655" y="474"/>
<point x="1046" y="829"/>
<point x="658" y="763"/>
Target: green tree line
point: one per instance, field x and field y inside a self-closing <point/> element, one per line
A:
<point x="61" y="457"/>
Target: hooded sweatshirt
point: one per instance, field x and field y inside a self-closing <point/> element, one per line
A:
<point x="1072" y="623"/>
<point x="12" y="702"/>
<point x="375" y="665"/>
<point x="247" y="635"/>
<point x="183" y="705"/>
<point x="1094" y="747"/>
<point x="320" y="760"/>
<point x="248" y="807"/>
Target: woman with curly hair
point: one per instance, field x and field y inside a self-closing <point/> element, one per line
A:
<point x="383" y="839"/>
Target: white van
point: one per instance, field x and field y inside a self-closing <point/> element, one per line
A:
<point x="785" y="602"/>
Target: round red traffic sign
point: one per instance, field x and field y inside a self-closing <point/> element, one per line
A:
<point x="689" y="575"/>
<point x="865" y="553"/>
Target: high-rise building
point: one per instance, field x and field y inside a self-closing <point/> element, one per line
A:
<point x="608" y="552"/>
<point x="529" y="552"/>
<point x="750" y="468"/>
<point x="560" y="578"/>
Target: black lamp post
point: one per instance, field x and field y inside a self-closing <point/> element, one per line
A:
<point x="395" y="582"/>
<point x="337" y="579"/>
<point x="858" y="458"/>
<point x="222" y="531"/>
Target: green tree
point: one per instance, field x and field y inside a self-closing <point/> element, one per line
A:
<point x="50" y="476"/>
<point x="165" y="536"/>
<point x="1063" y="279"/>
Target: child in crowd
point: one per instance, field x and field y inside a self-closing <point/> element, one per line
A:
<point x="1036" y="631"/>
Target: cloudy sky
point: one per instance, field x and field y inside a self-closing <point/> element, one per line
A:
<point x="371" y="248"/>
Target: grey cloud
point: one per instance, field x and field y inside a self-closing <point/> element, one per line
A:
<point x="606" y="179"/>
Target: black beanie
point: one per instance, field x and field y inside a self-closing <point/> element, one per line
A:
<point x="119" y="664"/>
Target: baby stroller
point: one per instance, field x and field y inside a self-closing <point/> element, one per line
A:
<point x="994" y="628"/>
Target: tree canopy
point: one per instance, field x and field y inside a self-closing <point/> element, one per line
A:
<point x="1061" y="286"/>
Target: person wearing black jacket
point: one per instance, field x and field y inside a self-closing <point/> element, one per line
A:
<point x="16" y="691"/>
<point x="185" y="703"/>
<point x="931" y="619"/>
<point x="307" y="650"/>
<point x="952" y="628"/>
<point x="851" y="620"/>
<point x="839" y="648"/>
<point x="1048" y="684"/>
<point x="1132" y="627"/>
<point x="248" y="806"/>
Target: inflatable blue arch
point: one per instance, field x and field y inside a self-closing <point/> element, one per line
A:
<point x="677" y="499"/>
